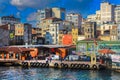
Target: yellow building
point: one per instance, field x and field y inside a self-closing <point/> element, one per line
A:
<point x="19" y="34"/>
<point x="74" y="35"/>
<point x="19" y="29"/>
<point x="105" y="38"/>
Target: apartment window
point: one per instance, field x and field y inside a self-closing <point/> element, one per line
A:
<point x="53" y="29"/>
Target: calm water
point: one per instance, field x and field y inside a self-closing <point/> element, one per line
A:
<point x="18" y="73"/>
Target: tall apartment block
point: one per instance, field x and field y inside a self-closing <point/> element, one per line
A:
<point x="58" y="13"/>
<point x="107" y="12"/>
<point x="76" y="19"/>
<point x="50" y="12"/>
<point x="117" y="13"/>
<point x="27" y="33"/>
<point x="45" y="13"/>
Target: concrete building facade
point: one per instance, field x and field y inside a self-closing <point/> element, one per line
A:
<point x="107" y="12"/>
<point x="4" y="35"/>
<point x="27" y="33"/>
<point x="58" y="13"/>
<point x="117" y="14"/>
<point x="89" y="29"/>
<point x="76" y="19"/>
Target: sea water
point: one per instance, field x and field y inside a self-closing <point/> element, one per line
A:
<point x="19" y="73"/>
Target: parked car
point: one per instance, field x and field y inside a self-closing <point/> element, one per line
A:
<point x="72" y="58"/>
<point x="85" y="58"/>
<point x="55" y="57"/>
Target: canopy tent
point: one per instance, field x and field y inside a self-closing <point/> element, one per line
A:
<point x="14" y="49"/>
<point x="106" y="51"/>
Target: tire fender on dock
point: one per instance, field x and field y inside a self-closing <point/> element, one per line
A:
<point x="94" y="67"/>
<point x="56" y="65"/>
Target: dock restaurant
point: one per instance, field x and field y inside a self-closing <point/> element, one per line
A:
<point x="89" y="46"/>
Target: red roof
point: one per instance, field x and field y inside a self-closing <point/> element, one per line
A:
<point x="106" y="51"/>
<point x="14" y="49"/>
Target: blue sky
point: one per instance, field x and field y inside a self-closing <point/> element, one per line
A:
<point x="25" y="9"/>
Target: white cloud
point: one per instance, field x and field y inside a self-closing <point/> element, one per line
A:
<point x="32" y="16"/>
<point x="32" y="19"/>
<point x="18" y="14"/>
<point x="31" y="3"/>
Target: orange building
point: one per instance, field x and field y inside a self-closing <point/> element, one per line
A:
<point x="34" y="52"/>
<point x="18" y="53"/>
<point x="67" y="39"/>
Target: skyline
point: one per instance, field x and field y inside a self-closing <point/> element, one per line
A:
<point x="27" y="12"/>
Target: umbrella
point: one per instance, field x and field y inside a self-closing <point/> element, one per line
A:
<point x="106" y="51"/>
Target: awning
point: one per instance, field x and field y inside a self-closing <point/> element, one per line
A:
<point x="14" y="49"/>
<point x="106" y="51"/>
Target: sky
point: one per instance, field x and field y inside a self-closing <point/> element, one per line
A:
<point x="26" y="9"/>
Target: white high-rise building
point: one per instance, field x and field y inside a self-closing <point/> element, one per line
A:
<point x="107" y="12"/>
<point x="95" y="17"/>
<point x="117" y="14"/>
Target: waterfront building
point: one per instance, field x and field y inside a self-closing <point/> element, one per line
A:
<point x="9" y="20"/>
<point x="14" y="53"/>
<point x="4" y="35"/>
<point x="76" y="19"/>
<point x="27" y="33"/>
<point x="91" y="46"/>
<point x="107" y="12"/>
<point x="89" y="29"/>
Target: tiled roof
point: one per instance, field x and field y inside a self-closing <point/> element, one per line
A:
<point x="14" y="49"/>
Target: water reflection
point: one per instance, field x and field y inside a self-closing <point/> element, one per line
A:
<point x="18" y="73"/>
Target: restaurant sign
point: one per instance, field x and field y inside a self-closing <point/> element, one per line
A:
<point x="115" y="58"/>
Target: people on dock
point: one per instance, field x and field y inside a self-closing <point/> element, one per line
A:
<point x="46" y="60"/>
<point x="50" y="58"/>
